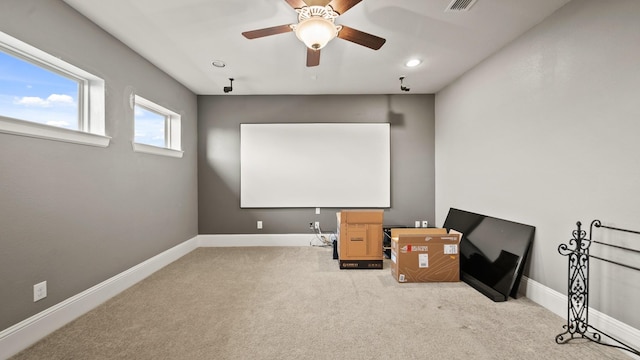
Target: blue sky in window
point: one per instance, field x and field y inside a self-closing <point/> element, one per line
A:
<point x="29" y="92"/>
<point x="149" y="127"/>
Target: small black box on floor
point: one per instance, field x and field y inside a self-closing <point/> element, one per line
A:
<point x="360" y="264"/>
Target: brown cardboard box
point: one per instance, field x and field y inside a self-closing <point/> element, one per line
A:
<point x="395" y="232"/>
<point x="360" y="239"/>
<point x="426" y="258"/>
<point x="361" y="216"/>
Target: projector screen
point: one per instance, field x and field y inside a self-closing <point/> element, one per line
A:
<point x="315" y="165"/>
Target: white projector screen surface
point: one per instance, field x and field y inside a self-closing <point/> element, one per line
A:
<point x="315" y="165"/>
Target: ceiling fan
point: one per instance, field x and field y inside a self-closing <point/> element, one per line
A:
<point x="316" y="27"/>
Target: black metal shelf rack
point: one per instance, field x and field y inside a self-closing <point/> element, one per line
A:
<point x="577" y="251"/>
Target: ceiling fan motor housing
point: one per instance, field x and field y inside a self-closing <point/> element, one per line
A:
<point x="325" y="12"/>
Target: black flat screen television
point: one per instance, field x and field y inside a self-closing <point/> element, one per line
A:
<point x="493" y="252"/>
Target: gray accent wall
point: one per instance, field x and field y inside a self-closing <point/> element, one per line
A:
<point x="411" y="119"/>
<point x="545" y="132"/>
<point x="75" y="215"/>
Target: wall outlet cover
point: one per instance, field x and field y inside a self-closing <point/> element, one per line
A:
<point x="39" y="291"/>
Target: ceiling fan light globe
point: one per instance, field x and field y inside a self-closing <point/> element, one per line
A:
<point x="316" y="32"/>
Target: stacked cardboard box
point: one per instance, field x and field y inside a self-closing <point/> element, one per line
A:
<point x="360" y="239"/>
<point x="425" y="255"/>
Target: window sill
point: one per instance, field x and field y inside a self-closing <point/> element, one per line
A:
<point x="41" y="131"/>
<point x="154" y="150"/>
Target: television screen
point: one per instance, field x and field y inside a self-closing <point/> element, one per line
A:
<point x="493" y="252"/>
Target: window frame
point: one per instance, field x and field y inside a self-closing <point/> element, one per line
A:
<point x="91" y="99"/>
<point x="172" y="129"/>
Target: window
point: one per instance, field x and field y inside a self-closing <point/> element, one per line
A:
<point x="157" y="130"/>
<point x="150" y="127"/>
<point x="43" y="96"/>
<point x="37" y="94"/>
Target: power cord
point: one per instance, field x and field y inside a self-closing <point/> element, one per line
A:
<point x="322" y="238"/>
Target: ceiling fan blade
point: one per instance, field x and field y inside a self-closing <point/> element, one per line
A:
<point x="296" y="4"/>
<point x="361" y="38"/>
<point x="341" y="6"/>
<point x="313" y="57"/>
<point x="254" y="34"/>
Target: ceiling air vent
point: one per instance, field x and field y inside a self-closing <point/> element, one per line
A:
<point x="460" y="5"/>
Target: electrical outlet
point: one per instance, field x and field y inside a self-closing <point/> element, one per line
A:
<point x="425" y="223"/>
<point x="417" y="223"/>
<point x="316" y="225"/>
<point x="317" y="211"/>
<point x="39" y="291"/>
<point x="259" y="224"/>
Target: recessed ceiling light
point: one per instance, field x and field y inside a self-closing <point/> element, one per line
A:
<point x="218" y="63"/>
<point x="412" y="62"/>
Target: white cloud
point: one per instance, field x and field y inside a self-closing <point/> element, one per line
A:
<point x="60" y="99"/>
<point x="51" y="100"/>
<point x="31" y="101"/>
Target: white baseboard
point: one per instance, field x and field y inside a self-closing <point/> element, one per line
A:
<point x="27" y="332"/>
<point x="557" y="303"/>
<point x="233" y="240"/>
<point x="544" y="296"/>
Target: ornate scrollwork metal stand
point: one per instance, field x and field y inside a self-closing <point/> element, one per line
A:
<point x="577" y="326"/>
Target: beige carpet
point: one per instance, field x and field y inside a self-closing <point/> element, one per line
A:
<point x="294" y="303"/>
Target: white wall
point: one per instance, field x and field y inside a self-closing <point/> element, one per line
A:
<point x="545" y="132"/>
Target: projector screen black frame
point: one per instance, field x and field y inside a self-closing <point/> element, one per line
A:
<point x="299" y="165"/>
